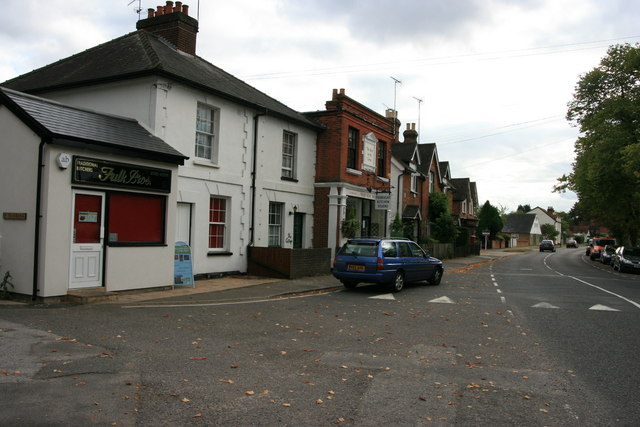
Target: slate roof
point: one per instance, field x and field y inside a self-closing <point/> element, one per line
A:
<point x="140" y="54"/>
<point x="403" y="151"/>
<point x="427" y="152"/>
<point x="461" y="186"/>
<point x="73" y="126"/>
<point x="519" y="223"/>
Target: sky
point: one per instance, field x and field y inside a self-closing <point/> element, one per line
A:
<point x="488" y="81"/>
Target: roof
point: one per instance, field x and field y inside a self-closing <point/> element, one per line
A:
<point x="462" y="188"/>
<point x="66" y="125"/>
<point x="427" y="153"/>
<point x="411" y="212"/>
<point x="141" y="54"/>
<point x="519" y="223"/>
<point x="404" y="152"/>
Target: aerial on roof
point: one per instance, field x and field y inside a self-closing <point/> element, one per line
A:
<point x="141" y="53"/>
<point x="65" y="124"/>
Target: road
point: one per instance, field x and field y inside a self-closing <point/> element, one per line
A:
<point x="532" y="339"/>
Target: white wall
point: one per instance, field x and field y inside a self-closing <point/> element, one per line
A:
<point x="18" y="178"/>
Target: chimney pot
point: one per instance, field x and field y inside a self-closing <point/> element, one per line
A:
<point x="341" y="91"/>
<point x="185" y="9"/>
<point x="178" y="7"/>
<point x="413" y="126"/>
<point x="150" y="12"/>
<point x="169" y="7"/>
<point x="159" y="11"/>
<point x="335" y="93"/>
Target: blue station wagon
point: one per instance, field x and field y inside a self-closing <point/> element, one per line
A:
<point x="386" y="261"/>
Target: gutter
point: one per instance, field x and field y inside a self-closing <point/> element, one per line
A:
<point x="254" y="168"/>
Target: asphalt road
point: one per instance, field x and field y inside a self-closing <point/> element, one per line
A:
<point x="512" y="342"/>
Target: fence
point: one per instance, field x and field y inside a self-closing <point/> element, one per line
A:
<point x="447" y="250"/>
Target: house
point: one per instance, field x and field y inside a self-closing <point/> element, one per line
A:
<point x="249" y="178"/>
<point x="548" y="216"/>
<point x="524" y="230"/>
<point x="86" y="199"/>
<point x="465" y="203"/>
<point x="353" y="160"/>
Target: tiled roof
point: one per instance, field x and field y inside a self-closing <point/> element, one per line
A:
<point x="64" y="124"/>
<point x="519" y="223"/>
<point x="461" y="186"/>
<point x="140" y="54"/>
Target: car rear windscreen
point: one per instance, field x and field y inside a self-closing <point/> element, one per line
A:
<point x="360" y="249"/>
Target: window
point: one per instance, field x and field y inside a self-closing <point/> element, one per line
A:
<point x="275" y="225"/>
<point x="218" y="223"/>
<point x="464" y="206"/>
<point x="352" y="149"/>
<point x="288" y="155"/>
<point x="136" y="219"/>
<point x="431" y="183"/>
<point x="382" y="158"/>
<point x="414" y="183"/>
<point x="205" y="132"/>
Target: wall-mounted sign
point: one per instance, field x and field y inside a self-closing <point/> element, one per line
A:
<point x="370" y="153"/>
<point x="14" y="216"/>
<point x="124" y="175"/>
<point x="383" y="200"/>
<point x="87" y="216"/>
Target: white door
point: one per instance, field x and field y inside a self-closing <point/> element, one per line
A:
<point x="183" y="223"/>
<point x="87" y="240"/>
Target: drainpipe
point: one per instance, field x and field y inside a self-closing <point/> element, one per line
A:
<point x="254" y="168"/>
<point x="36" y="243"/>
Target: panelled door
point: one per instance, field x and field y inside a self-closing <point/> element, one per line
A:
<point x="87" y="240"/>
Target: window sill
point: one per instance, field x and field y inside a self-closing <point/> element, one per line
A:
<point x="354" y="172"/>
<point x="221" y="253"/>
<point x="206" y="163"/>
<point x="383" y="179"/>
<point x="285" y="178"/>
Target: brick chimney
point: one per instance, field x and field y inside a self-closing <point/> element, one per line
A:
<point x="172" y="23"/>
<point x="410" y="134"/>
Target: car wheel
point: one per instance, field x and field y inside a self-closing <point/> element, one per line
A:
<point x="436" y="278"/>
<point x="349" y="284"/>
<point x="398" y="282"/>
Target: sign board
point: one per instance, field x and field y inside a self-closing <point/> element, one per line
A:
<point x="14" y="216"/>
<point x="123" y="175"/>
<point x="182" y="266"/>
<point x="383" y="200"/>
<point x="370" y="152"/>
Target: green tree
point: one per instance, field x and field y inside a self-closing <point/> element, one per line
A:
<point x="549" y="231"/>
<point x="444" y="229"/>
<point x="489" y="218"/>
<point x="606" y="173"/>
<point x="523" y="208"/>
<point x="438" y="205"/>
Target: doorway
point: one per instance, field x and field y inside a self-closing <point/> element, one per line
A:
<point x="87" y="244"/>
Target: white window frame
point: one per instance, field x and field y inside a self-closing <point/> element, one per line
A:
<point x="464" y="207"/>
<point x="431" y="182"/>
<point x="275" y="224"/>
<point x="206" y="138"/>
<point x="224" y="224"/>
<point x="289" y="150"/>
<point x="414" y="183"/>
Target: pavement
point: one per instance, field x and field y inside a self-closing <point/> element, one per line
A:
<point x="239" y="288"/>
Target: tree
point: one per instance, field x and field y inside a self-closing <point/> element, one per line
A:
<point x="606" y="173"/>
<point x="438" y="205"/>
<point x="523" y="208"/>
<point x="444" y="229"/>
<point x="549" y="232"/>
<point x="489" y="219"/>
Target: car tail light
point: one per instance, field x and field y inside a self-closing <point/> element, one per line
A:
<point x="335" y="260"/>
<point x="379" y="265"/>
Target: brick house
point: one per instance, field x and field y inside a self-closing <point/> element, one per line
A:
<point x="353" y="160"/>
<point x="465" y="204"/>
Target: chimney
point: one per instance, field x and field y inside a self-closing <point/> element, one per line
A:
<point x="173" y="24"/>
<point x="410" y="134"/>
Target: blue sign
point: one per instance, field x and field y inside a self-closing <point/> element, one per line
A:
<point x="182" y="266"/>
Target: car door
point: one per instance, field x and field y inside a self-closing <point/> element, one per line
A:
<point x="424" y="268"/>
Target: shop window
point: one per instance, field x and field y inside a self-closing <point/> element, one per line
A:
<point x="218" y="223"/>
<point x="352" y="149"/>
<point x="206" y="133"/>
<point x="288" y="155"/>
<point x="275" y="225"/>
<point x="136" y="219"/>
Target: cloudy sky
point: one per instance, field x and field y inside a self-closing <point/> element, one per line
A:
<point x="487" y="80"/>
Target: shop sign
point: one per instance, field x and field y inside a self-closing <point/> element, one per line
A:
<point x="124" y="175"/>
<point x="182" y="266"/>
<point x="383" y="200"/>
<point x="370" y="153"/>
<point x="14" y="216"/>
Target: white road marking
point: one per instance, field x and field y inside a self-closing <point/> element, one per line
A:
<point x="503" y="299"/>
<point x="443" y="300"/>
<point x="602" y="308"/>
<point x="544" y="305"/>
<point x="383" y="296"/>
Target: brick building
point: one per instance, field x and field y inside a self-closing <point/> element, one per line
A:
<point x="353" y="160"/>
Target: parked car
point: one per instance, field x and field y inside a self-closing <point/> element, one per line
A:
<point x="571" y="243"/>
<point x="626" y="258"/>
<point x="595" y="248"/>
<point x="607" y="254"/>
<point x="547" y="245"/>
<point x="393" y="262"/>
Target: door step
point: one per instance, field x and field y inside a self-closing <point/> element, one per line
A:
<point x="89" y="296"/>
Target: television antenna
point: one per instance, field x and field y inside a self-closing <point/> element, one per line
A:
<point x="138" y="9"/>
<point x="419" y="102"/>
<point x="395" y="112"/>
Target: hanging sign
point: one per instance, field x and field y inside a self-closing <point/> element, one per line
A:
<point x="383" y="200"/>
<point x="182" y="266"/>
